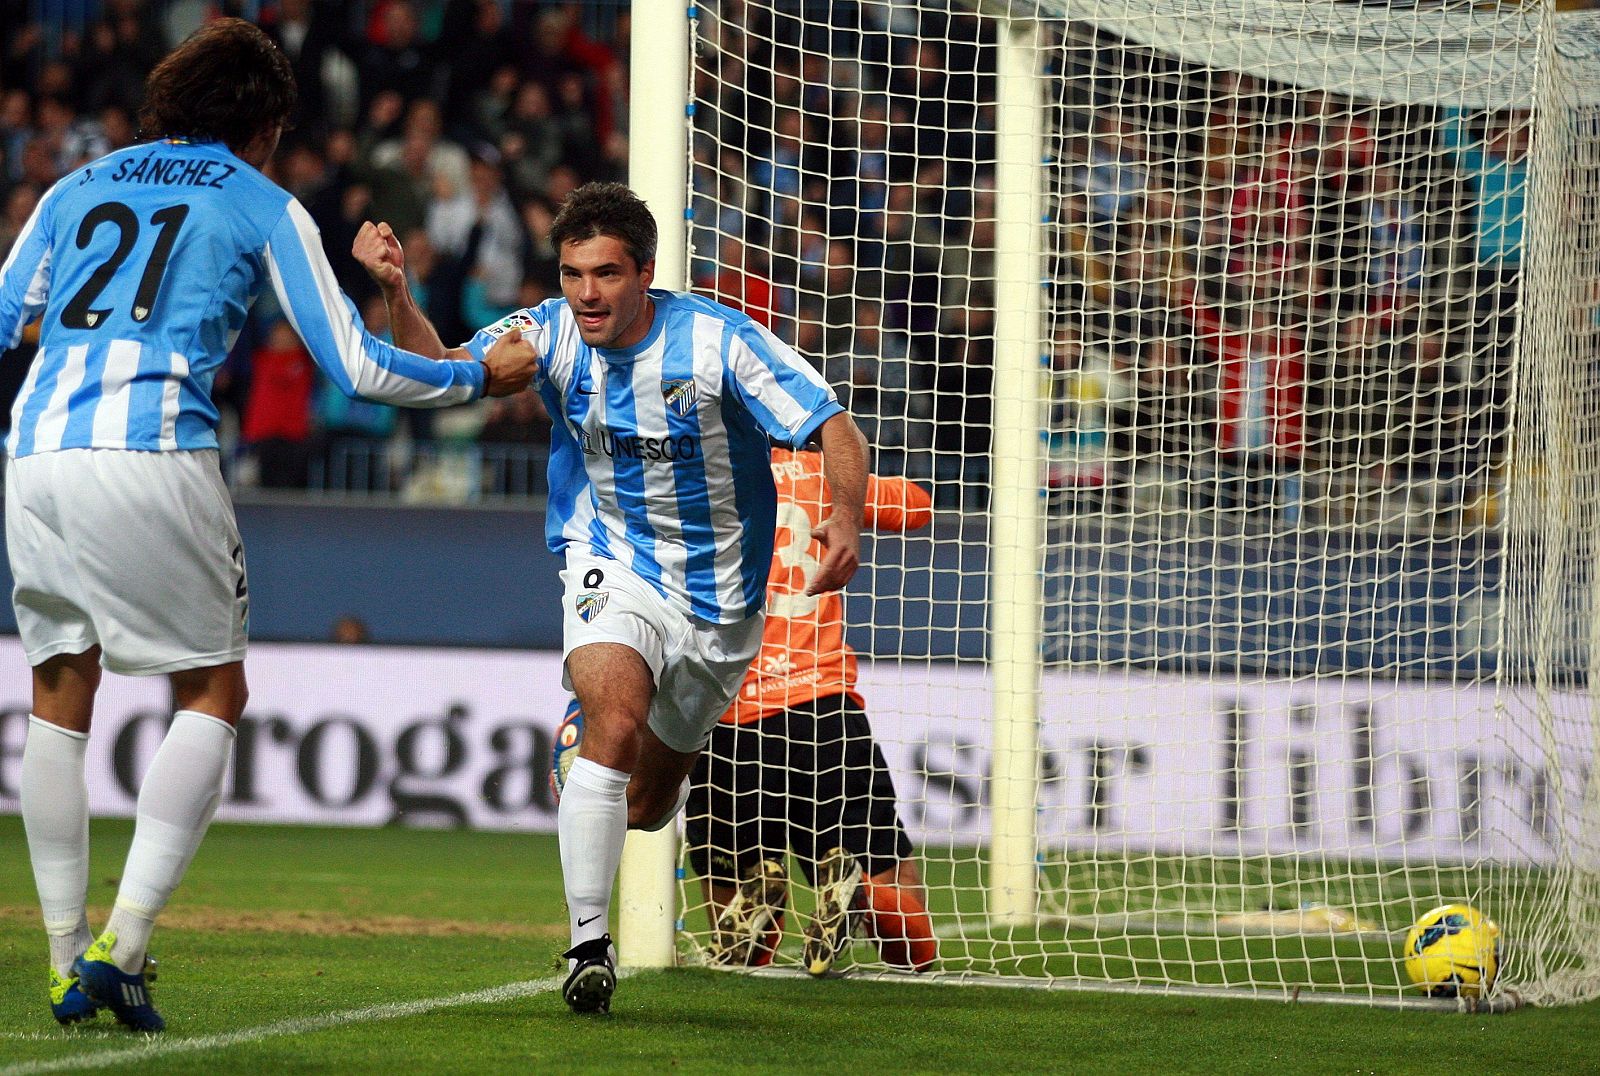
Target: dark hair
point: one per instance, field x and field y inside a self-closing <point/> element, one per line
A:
<point x="597" y="209"/>
<point x="227" y="82"/>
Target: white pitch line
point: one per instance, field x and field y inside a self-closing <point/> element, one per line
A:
<point x="155" y="1046"/>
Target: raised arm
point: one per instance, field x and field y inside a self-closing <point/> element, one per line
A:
<point x="844" y="465"/>
<point x="356" y="361"/>
<point x="378" y="250"/>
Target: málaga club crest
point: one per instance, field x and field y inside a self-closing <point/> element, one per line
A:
<point x="680" y="397"/>
<point x="590" y="602"/>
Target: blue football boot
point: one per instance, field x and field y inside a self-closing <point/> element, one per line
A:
<point x="125" y="995"/>
<point x="68" y="1003"/>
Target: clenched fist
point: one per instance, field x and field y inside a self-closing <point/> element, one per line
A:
<point x="509" y="365"/>
<point x="377" y="248"/>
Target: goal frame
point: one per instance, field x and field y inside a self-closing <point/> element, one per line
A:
<point x="660" y="124"/>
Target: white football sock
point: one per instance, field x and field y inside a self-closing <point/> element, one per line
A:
<point x="55" y="814"/>
<point x="179" y="795"/>
<point x="666" y="819"/>
<point x="593" y="822"/>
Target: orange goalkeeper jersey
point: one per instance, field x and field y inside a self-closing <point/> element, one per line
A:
<point x="803" y="653"/>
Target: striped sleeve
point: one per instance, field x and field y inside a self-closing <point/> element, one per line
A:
<point x="785" y="395"/>
<point x="535" y="326"/>
<point x="356" y="361"/>
<point x="25" y="276"/>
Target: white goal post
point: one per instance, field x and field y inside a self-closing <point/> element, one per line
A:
<point x="1251" y="352"/>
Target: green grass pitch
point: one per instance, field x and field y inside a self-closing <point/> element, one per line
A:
<point x="411" y="952"/>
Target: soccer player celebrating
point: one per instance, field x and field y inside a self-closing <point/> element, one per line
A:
<point x="663" y="508"/>
<point x="793" y="764"/>
<point x="120" y="532"/>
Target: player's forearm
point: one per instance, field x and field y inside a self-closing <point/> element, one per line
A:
<point x="844" y="464"/>
<point x="410" y="327"/>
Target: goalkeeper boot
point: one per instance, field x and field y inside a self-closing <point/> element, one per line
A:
<point x="838" y="880"/>
<point x="68" y="1003"/>
<point x="127" y="996"/>
<point x="593" y="978"/>
<point x="749" y="928"/>
<point x="899" y="925"/>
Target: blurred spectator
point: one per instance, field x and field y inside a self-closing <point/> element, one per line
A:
<point x="1090" y="390"/>
<point x="119" y="52"/>
<point x="1260" y="413"/>
<point x="1493" y="154"/>
<point x="962" y="383"/>
<point x="1169" y="417"/>
<point x="73" y="141"/>
<point x="401" y="188"/>
<point x="116" y="127"/>
<point x="1269" y="219"/>
<point x="514" y="430"/>
<point x="1429" y="448"/>
<point x="516" y="420"/>
<point x="14" y="213"/>
<point x="309" y="34"/>
<point x="1113" y="176"/>
<point x="744" y="282"/>
<point x="775" y="175"/>
<point x="537" y="138"/>
<point x="277" y="418"/>
<point x="349" y="629"/>
<point x="1395" y="252"/>
<point x="585" y="81"/>
<point x="541" y="263"/>
<point x="872" y="376"/>
<point x="16" y="129"/>
<point x="426" y="150"/>
<point x="476" y="39"/>
<point x="396" y="59"/>
<point x="351" y="434"/>
<point x="480" y="229"/>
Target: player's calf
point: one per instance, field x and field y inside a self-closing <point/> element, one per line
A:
<point x="898" y="924"/>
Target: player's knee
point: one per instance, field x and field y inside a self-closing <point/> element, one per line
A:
<point x="643" y="812"/>
<point x="611" y="737"/>
<point x="646" y="810"/>
<point x="652" y="805"/>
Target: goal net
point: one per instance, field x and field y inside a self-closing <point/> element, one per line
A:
<point x="1248" y="349"/>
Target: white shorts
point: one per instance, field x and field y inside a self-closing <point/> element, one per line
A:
<point x="135" y="551"/>
<point x="698" y="666"/>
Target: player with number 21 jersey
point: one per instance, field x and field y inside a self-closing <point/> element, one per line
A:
<point x="155" y="254"/>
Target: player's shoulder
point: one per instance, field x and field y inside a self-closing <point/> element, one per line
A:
<point x="200" y="175"/>
<point x="547" y="316"/>
<point x="686" y="304"/>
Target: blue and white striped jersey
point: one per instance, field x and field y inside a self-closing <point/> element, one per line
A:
<point x="145" y="263"/>
<point x="660" y="457"/>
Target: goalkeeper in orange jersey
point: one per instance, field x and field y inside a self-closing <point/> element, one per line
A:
<point x="792" y="764"/>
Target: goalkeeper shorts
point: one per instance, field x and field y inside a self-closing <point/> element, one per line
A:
<point x="810" y="778"/>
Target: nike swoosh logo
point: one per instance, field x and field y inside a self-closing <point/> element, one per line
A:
<point x="586" y="392"/>
<point x="586" y="922"/>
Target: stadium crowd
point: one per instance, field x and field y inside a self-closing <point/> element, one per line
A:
<point x="1249" y="287"/>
